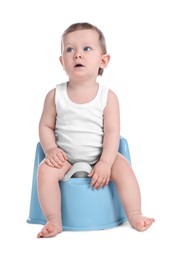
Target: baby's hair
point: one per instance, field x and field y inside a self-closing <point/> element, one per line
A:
<point x="88" y="26"/>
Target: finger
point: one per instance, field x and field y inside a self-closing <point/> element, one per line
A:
<point x="64" y="156"/>
<point x="94" y="180"/>
<point x="99" y="184"/>
<point x="59" y="161"/>
<point x="59" y="158"/>
<point x="106" y="182"/>
<point x="47" y="161"/>
<point x="91" y="173"/>
<point x="55" y="164"/>
<point x="52" y="162"/>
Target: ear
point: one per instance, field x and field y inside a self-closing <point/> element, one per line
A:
<point x="61" y="60"/>
<point x="104" y="60"/>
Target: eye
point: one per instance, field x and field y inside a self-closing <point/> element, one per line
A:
<point x="87" y="48"/>
<point x="69" y="49"/>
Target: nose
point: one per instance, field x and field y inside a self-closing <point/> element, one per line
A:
<point x="77" y="55"/>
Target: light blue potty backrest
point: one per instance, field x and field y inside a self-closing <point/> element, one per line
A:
<point x="124" y="148"/>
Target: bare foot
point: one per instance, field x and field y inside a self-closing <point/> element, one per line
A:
<point x="51" y="229"/>
<point x="140" y="222"/>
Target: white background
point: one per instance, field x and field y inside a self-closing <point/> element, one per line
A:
<point x="141" y="38"/>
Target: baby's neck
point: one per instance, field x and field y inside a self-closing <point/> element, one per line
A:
<point x="82" y="93"/>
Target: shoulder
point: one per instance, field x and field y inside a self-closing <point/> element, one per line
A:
<point x="112" y="97"/>
<point x="112" y="103"/>
<point x="51" y="94"/>
<point x="50" y="98"/>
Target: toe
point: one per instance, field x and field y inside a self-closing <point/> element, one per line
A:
<point x="50" y="230"/>
<point x="46" y="231"/>
<point x="144" y="224"/>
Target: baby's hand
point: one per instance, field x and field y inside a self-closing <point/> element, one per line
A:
<point x="100" y="175"/>
<point x="55" y="158"/>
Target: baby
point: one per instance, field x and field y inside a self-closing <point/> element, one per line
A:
<point x="81" y="122"/>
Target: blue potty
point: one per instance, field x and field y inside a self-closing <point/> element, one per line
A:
<point x="82" y="207"/>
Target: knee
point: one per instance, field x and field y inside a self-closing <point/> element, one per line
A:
<point x="42" y="170"/>
<point x="40" y="176"/>
<point x="46" y="172"/>
<point x="120" y="167"/>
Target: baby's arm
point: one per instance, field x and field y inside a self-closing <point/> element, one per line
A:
<point x="111" y="119"/>
<point x="55" y="157"/>
<point x="102" y="170"/>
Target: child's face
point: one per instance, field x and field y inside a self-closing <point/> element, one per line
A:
<point x="82" y="55"/>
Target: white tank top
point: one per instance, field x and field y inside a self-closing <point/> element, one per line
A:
<point x="79" y="127"/>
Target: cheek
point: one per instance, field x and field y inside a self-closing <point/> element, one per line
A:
<point x="97" y="62"/>
<point x="67" y="64"/>
<point x="67" y="60"/>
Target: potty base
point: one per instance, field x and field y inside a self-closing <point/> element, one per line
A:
<point x="84" y="208"/>
<point x="87" y="209"/>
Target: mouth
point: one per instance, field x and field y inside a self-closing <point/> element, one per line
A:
<point x="79" y="65"/>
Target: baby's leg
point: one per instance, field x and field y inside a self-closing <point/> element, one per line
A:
<point x="129" y="193"/>
<point x="49" y="197"/>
